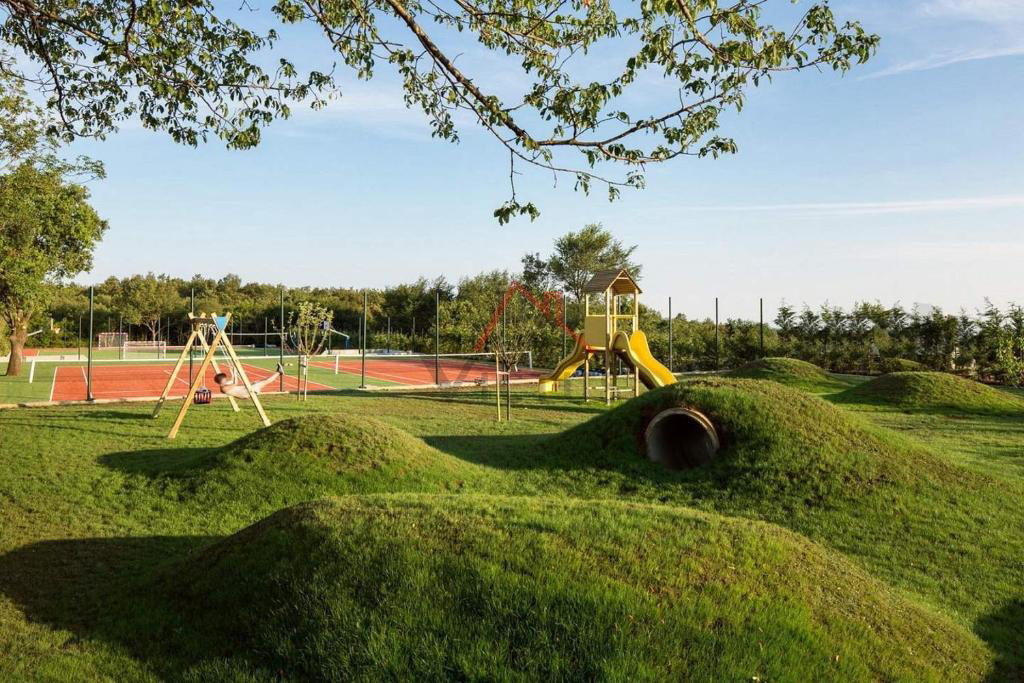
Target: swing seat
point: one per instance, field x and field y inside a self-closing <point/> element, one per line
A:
<point x="203" y="397"/>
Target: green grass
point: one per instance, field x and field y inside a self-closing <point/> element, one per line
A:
<point x="461" y="587"/>
<point x="793" y="373"/>
<point x="826" y="542"/>
<point x="934" y="392"/>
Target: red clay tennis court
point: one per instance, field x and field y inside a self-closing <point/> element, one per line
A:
<point x="142" y="380"/>
<point x="420" y="369"/>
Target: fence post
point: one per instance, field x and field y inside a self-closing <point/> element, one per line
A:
<point x="761" y="303"/>
<point x="88" y="376"/>
<point x="565" y="333"/>
<point x="717" y="341"/>
<point x="192" y="308"/>
<point x="437" y="337"/>
<point x="670" y="357"/>
<point x="362" y="379"/>
<point x="280" y="346"/>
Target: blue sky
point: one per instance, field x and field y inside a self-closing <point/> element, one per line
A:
<point x="903" y="180"/>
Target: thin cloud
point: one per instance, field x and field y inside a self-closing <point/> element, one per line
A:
<point x="937" y="61"/>
<point x="866" y="208"/>
<point x="984" y="11"/>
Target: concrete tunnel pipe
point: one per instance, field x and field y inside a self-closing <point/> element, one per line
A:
<point x="680" y="439"/>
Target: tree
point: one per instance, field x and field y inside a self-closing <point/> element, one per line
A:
<point x="47" y="228"/>
<point x="578" y="255"/>
<point x="147" y="299"/>
<point x="187" y="69"/>
<point x="309" y="325"/>
<point x="47" y="233"/>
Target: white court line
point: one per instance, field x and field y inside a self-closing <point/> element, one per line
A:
<point x="53" y="384"/>
<point x="267" y="373"/>
<point x="411" y="381"/>
<point x="387" y="377"/>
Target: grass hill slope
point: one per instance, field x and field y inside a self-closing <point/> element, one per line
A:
<point x="470" y="587"/>
<point x="933" y="392"/>
<point x="780" y="446"/>
<point x="791" y="372"/>
<point x="327" y="454"/>
<point x="787" y="457"/>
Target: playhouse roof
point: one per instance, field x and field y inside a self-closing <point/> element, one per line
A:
<point x="618" y="280"/>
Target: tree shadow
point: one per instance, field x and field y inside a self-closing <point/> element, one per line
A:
<point x="84" y="585"/>
<point x="1003" y="630"/>
<point x="159" y="462"/>
<point x="519" y="402"/>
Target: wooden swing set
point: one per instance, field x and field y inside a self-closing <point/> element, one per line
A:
<point x="202" y="325"/>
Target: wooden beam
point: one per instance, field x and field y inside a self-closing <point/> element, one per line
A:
<point x="240" y="372"/>
<point x="216" y="368"/>
<point x="196" y="381"/>
<point x="174" y="373"/>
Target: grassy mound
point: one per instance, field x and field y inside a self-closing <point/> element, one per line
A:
<point x="780" y="446"/>
<point x="316" y="455"/>
<point x="934" y="392"/>
<point x="796" y="460"/>
<point x="901" y="365"/>
<point x="450" y="588"/>
<point x="791" y="372"/>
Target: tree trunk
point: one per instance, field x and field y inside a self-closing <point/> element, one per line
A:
<point x="18" y="336"/>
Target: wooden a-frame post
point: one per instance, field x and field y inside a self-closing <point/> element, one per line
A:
<point x="219" y="339"/>
<point x="197" y="334"/>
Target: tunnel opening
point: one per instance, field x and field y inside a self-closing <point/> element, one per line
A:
<point x="681" y="439"/>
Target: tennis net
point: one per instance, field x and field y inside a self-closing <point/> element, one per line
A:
<point x="422" y="368"/>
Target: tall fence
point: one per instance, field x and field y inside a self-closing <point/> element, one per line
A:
<point x="866" y="338"/>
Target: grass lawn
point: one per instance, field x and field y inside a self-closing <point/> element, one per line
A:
<point x="411" y="536"/>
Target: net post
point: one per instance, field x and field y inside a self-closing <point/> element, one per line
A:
<point x="336" y="359"/>
<point x="32" y="370"/>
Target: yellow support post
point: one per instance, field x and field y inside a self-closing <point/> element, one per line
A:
<point x="174" y="373"/>
<point x="196" y="381"/>
<point x="216" y="368"/>
<point x="240" y="372"/>
<point x="208" y="360"/>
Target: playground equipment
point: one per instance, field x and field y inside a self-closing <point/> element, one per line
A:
<point x="197" y="393"/>
<point x="616" y="334"/>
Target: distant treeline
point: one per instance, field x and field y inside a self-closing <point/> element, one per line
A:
<point x="868" y="338"/>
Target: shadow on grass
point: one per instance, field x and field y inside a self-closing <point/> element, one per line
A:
<point x="160" y="461"/>
<point x="83" y="586"/>
<point x="1003" y="630"/>
<point x="520" y="401"/>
